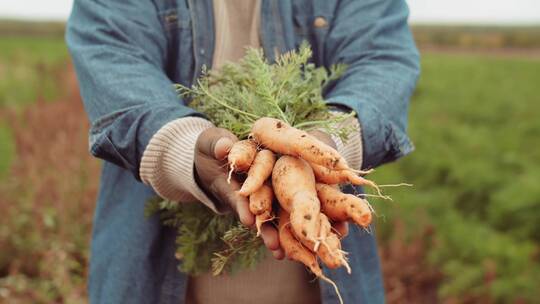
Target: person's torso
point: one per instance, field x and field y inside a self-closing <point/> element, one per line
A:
<point x="237" y="27"/>
<point x="132" y="258"/>
<point x="284" y="25"/>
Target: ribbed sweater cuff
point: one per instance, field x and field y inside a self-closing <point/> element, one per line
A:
<point x="351" y="150"/>
<point x="167" y="162"/>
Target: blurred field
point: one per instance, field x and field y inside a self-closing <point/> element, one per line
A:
<point x="467" y="232"/>
<point x="469" y="37"/>
<point x="48" y="182"/>
<point x="476" y="200"/>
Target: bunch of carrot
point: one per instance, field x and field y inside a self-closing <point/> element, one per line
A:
<point x="292" y="178"/>
<point x="303" y="174"/>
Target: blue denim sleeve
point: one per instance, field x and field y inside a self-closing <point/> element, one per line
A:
<point x="119" y="52"/>
<point x="372" y="37"/>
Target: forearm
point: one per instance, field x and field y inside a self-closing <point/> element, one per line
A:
<point x="351" y="148"/>
<point x="167" y="164"/>
<point x="119" y="50"/>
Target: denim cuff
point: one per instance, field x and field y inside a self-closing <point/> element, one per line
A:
<point x="382" y="140"/>
<point x="122" y="137"/>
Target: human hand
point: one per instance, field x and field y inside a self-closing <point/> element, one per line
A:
<point x="211" y="169"/>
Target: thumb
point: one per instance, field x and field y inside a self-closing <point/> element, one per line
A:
<point x="215" y="142"/>
<point x="222" y="147"/>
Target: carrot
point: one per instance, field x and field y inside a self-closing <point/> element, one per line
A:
<point x="293" y="183"/>
<point x="242" y="154"/>
<point x="339" y="206"/>
<point x="295" y="251"/>
<point x="261" y="200"/>
<point x="261" y="219"/>
<point x="329" y="251"/>
<point x="329" y="176"/>
<point x="280" y="137"/>
<point x="294" y="187"/>
<point x="331" y="254"/>
<point x="260" y="170"/>
<point x="260" y="204"/>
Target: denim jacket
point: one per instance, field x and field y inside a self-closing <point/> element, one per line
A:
<point x="128" y="54"/>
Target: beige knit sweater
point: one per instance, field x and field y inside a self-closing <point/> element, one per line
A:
<point x="167" y="166"/>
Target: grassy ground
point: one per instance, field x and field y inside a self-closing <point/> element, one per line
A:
<point x="48" y="182"/>
<point x="467" y="231"/>
<point x="7" y="149"/>
<point x="29" y="69"/>
<point x="475" y="124"/>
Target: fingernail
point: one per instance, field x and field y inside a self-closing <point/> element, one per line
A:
<point x="222" y="147"/>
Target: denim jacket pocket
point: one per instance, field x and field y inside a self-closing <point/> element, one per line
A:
<point x="321" y="25"/>
<point x="177" y="24"/>
<point x="314" y="29"/>
<point x="175" y="18"/>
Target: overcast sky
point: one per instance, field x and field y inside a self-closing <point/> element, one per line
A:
<point x="422" y="11"/>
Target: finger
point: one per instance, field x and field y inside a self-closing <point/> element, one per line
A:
<point x="208" y="140"/>
<point x="228" y="195"/>
<point x="278" y="254"/>
<point x="222" y="147"/>
<point x="342" y="228"/>
<point x="270" y="237"/>
<point x="242" y="208"/>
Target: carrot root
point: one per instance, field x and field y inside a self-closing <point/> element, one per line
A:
<point x="230" y="174"/>
<point x="260" y="219"/>
<point x="296" y="251"/>
<point x="327" y="280"/>
<point x="397" y="185"/>
<point x="363" y="172"/>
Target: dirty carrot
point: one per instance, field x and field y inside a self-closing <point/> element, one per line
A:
<point x="241" y="156"/>
<point x="280" y="137"/>
<point x="340" y="206"/>
<point x="295" y="251"/>
<point x="294" y="187"/>
<point x="260" y="170"/>
<point x="329" y="176"/>
<point x="260" y="204"/>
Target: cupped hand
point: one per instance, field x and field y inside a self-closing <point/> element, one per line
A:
<point x="211" y="169"/>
